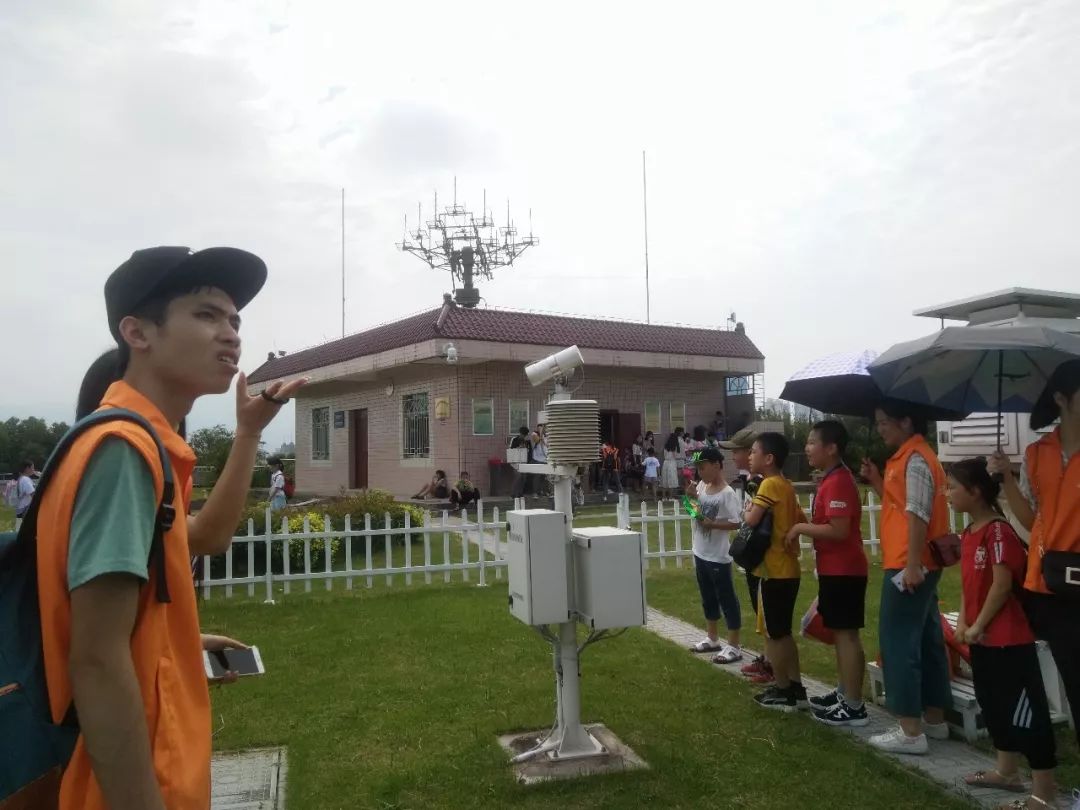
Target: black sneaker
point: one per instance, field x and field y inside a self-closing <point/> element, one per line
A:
<point x="841" y="714"/>
<point x="786" y="700"/>
<point x="825" y="701"/>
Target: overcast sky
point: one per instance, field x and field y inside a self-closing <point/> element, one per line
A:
<point x="820" y="169"/>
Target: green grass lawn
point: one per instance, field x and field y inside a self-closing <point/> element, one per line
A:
<point x="7" y="518"/>
<point x="394" y="699"/>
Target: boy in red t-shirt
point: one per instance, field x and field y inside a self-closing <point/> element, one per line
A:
<point x="1005" y="666"/>
<point x="842" y="572"/>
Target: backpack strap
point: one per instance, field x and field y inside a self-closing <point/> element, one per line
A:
<point x="166" y="514"/>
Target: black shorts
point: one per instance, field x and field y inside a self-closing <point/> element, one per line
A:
<point x="842" y="602"/>
<point x="1009" y="688"/>
<point x="778" y="604"/>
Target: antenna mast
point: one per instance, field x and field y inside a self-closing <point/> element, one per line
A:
<point x="455" y="239"/>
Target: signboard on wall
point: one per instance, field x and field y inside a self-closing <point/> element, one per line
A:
<point x="442" y="409"/>
<point x="339" y="419"/>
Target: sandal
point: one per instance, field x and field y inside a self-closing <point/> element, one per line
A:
<point x="706" y="645"/>
<point x="728" y="655"/>
<point x="982" y="779"/>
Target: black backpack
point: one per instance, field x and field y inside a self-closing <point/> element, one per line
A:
<point x="30" y="768"/>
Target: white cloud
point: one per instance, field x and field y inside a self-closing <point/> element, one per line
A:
<point x="820" y="169"/>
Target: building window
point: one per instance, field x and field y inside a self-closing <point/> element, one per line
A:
<point x="652" y="417"/>
<point x="415" y="430"/>
<point x="320" y="434"/>
<point x="483" y="417"/>
<point x="737" y="386"/>
<point x="519" y="415"/>
<point x="677" y="415"/>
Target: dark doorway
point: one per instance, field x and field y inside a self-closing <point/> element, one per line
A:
<point x="358" y="441"/>
<point x="629" y="426"/>
<point x="609" y="426"/>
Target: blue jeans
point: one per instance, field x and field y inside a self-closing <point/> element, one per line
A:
<point x="277" y="503"/>
<point x="718" y="592"/>
<point x="913" y="657"/>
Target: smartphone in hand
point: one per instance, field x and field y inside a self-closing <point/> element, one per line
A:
<point x="242" y="662"/>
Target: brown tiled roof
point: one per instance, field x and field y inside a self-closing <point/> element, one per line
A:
<point x="502" y="326"/>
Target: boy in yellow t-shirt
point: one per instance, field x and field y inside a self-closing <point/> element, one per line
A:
<point x="780" y="572"/>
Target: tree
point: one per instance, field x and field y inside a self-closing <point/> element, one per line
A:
<point x="212" y="446"/>
<point x="28" y="439"/>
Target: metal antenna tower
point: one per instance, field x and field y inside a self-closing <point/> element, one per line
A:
<point x="455" y="239"/>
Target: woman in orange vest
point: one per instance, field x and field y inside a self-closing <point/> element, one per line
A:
<point x="1046" y="501"/>
<point x="913" y="511"/>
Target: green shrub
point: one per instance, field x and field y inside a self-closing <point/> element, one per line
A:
<point x="376" y="503"/>
<point x="318" y="546"/>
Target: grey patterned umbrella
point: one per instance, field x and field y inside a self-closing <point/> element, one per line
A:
<point x="975" y="368"/>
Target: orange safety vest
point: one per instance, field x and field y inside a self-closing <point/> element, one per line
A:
<point x="165" y="646"/>
<point x="894" y="519"/>
<point x="1057" y="492"/>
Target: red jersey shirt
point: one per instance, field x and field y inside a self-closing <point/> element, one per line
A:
<point x="996" y="543"/>
<point x="838" y="496"/>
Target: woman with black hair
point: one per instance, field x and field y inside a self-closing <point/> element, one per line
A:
<point x="437" y="487"/>
<point x="1045" y="501"/>
<point x="277" y="483"/>
<point x="913" y="511"/>
<point x="1004" y="663"/>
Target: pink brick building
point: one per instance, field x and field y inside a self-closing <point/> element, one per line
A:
<point x="385" y="409"/>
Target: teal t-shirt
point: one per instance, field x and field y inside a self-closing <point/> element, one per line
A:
<point x="112" y="524"/>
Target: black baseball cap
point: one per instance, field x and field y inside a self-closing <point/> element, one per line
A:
<point x="708" y="454"/>
<point x="156" y="271"/>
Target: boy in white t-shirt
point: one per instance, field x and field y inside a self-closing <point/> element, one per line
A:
<point x="720" y="510"/>
<point x="651" y="477"/>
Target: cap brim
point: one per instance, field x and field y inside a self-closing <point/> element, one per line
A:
<point x="237" y="272"/>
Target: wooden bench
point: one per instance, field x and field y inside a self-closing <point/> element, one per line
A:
<point x="965" y="717"/>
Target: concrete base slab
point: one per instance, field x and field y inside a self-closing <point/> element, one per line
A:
<point x="248" y="780"/>
<point x="619" y="757"/>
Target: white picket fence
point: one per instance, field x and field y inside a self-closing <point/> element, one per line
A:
<point x="478" y="543"/>
<point x="474" y="540"/>
<point x="674" y="534"/>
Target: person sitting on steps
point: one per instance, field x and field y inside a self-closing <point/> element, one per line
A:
<point x="464" y="492"/>
<point x="438" y="487"/>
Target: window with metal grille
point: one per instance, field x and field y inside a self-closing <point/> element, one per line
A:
<point x="652" y="418"/>
<point x="415" y="426"/>
<point x="320" y="434"/>
<point x="677" y="414"/>
<point x="737" y="386"/>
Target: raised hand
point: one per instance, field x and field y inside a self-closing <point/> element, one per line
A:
<point x="253" y="413"/>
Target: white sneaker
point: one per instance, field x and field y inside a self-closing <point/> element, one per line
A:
<point x="897" y="742"/>
<point x="1076" y="800"/>
<point x="936" y="731"/>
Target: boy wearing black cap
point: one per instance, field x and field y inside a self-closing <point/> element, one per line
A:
<point x="129" y="658"/>
<point x="718" y="514"/>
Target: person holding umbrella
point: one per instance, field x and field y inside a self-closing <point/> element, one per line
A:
<point x="913" y="511"/>
<point x="1046" y="501"/>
